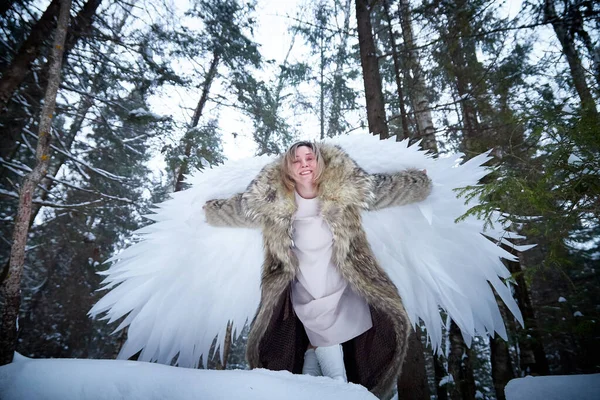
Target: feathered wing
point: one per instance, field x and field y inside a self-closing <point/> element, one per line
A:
<point x="184" y="280"/>
<point x="435" y="262"/>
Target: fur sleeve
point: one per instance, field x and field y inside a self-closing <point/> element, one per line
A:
<point x="400" y="188"/>
<point x="228" y="212"/>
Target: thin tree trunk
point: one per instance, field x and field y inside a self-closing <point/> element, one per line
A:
<point x="412" y="382"/>
<point x="17" y="70"/>
<point x="208" y="80"/>
<point x="421" y="107"/>
<point x="568" y="47"/>
<point x="264" y="145"/>
<point x="338" y="79"/>
<point x="11" y="286"/>
<point x="459" y="366"/>
<point x="370" y="68"/>
<point x="86" y="102"/>
<point x="397" y="67"/>
<point x="322" y="83"/>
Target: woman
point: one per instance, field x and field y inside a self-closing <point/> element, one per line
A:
<point x="321" y="285"/>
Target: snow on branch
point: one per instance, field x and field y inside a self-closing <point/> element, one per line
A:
<point x="18" y="169"/>
<point x="15" y="195"/>
<point x="98" y="171"/>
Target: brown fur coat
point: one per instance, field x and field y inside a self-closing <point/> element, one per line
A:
<point x="277" y="339"/>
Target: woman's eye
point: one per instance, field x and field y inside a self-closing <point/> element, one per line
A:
<point x="295" y="162"/>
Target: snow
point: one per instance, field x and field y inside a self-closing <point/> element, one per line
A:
<point x="577" y="314"/>
<point x="445" y="380"/>
<point x="140" y="113"/>
<point x="562" y="300"/>
<point x="580" y="387"/>
<point x="574" y="160"/>
<point x="89" y="236"/>
<point x="77" y="379"/>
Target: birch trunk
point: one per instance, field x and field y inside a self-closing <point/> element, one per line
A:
<point x="11" y="286"/>
<point x="417" y="92"/>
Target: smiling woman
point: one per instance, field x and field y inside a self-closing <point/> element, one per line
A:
<point x="302" y="166"/>
<point x="326" y="305"/>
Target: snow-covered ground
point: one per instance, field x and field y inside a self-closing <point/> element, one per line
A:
<point x="70" y="379"/>
<point x="571" y="387"/>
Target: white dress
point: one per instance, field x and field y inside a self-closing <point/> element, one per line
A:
<point x="331" y="312"/>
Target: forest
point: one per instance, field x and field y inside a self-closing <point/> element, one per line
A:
<point x="106" y="107"/>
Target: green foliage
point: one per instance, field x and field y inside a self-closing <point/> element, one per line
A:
<point x="206" y="144"/>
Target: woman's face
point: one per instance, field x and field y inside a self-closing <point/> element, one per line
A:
<point x="304" y="167"/>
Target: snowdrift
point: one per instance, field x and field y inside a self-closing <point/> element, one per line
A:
<point x="77" y="379"/>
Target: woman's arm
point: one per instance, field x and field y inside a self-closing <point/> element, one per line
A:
<point x="400" y="188"/>
<point x="229" y="212"/>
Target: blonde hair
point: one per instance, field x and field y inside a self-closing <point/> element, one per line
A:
<point x="290" y="156"/>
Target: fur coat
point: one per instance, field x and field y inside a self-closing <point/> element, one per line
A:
<point x="277" y="339"/>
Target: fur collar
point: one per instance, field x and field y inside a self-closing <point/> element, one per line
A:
<point x="343" y="184"/>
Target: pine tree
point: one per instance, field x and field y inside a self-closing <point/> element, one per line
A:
<point x="11" y="292"/>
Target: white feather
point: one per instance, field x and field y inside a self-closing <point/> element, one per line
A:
<point x="178" y="286"/>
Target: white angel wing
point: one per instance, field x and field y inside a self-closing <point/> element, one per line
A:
<point x="180" y="285"/>
<point x="435" y="262"/>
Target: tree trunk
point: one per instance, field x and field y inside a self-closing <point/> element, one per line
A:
<point x="338" y="78"/>
<point x="412" y="382"/>
<point x="82" y="23"/>
<point x="421" y="107"/>
<point x="208" y="80"/>
<point x="459" y="366"/>
<point x="322" y="82"/>
<point x="370" y="68"/>
<point x="11" y="286"/>
<point x="438" y="368"/>
<point x="397" y="68"/>
<point x="502" y="371"/>
<point x="569" y="50"/>
<point x="85" y="103"/>
<point x="532" y="355"/>
<point x="17" y="70"/>
<point x="577" y="19"/>
<point x="80" y="27"/>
